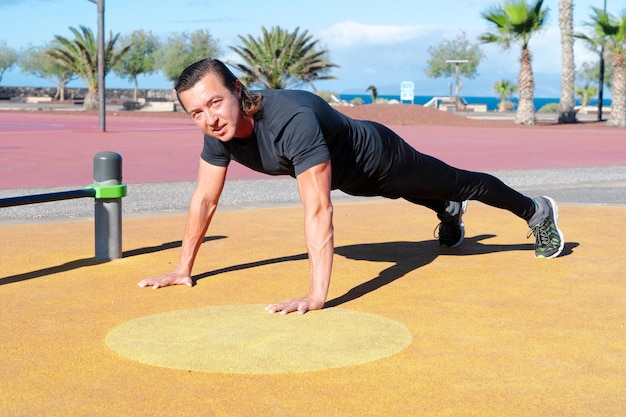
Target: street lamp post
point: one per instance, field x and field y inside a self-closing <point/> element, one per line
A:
<point x="601" y="79"/>
<point x="101" y="62"/>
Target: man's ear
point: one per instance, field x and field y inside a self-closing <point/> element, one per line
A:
<point x="238" y="88"/>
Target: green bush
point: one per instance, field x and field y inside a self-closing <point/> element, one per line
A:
<point x="357" y="101"/>
<point x="506" y="106"/>
<point x="549" y="108"/>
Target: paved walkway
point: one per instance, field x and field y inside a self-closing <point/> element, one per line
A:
<point x="43" y="150"/>
<point x="484" y="329"/>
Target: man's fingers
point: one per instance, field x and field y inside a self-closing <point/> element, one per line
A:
<point x="272" y="308"/>
<point x="289" y="306"/>
<point x="289" y="309"/>
<point x="165" y="281"/>
<point x="303" y="308"/>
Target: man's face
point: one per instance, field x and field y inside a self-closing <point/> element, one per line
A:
<point x="214" y="108"/>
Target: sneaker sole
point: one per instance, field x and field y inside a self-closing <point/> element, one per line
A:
<point x="555" y="215"/>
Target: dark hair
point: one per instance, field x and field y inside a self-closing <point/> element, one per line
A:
<point x="250" y="102"/>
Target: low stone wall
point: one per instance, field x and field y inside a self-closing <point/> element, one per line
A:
<point x="20" y="93"/>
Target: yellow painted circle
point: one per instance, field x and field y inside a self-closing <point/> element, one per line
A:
<point x="248" y="340"/>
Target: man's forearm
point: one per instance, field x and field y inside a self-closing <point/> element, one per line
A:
<point x="321" y="263"/>
<point x="198" y="221"/>
<point x="320" y="246"/>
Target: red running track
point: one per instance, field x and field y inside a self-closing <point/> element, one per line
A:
<point x="49" y="150"/>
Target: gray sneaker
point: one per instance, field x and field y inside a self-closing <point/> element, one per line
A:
<point x="451" y="230"/>
<point x="548" y="237"/>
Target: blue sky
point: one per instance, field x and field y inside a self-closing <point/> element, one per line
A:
<point x="379" y="43"/>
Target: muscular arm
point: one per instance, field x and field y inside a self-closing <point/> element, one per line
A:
<point x="201" y="209"/>
<point x="314" y="188"/>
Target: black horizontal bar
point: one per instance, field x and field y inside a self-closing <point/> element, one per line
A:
<point x="48" y="197"/>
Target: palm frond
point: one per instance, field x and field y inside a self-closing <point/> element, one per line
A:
<point x="281" y="59"/>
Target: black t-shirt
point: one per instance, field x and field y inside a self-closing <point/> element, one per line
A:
<point x="297" y="130"/>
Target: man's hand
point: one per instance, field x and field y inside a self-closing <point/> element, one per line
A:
<point x="300" y="305"/>
<point x="314" y="188"/>
<point x="166" y="280"/>
<point x="203" y="203"/>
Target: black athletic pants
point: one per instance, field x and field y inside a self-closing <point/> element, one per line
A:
<point x="421" y="179"/>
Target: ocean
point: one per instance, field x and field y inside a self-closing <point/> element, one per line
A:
<point x="491" y="102"/>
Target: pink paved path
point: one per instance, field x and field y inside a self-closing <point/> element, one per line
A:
<point x="47" y="150"/>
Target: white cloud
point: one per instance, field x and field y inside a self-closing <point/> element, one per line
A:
<point x="546" y="49"/>
<point x="387" y="54"/>
<point x="348" y="34"/>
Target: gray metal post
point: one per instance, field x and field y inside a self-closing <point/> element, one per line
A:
<point x="101" y="68"/>
<point x="107" y="170"/>
<point x="601" y="79"/>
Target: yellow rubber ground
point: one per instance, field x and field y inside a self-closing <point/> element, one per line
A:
<point x="414" y="330"/>
<point x="248" y="340"/>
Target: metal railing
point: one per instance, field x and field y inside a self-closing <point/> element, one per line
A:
<point x="108" y="192"/>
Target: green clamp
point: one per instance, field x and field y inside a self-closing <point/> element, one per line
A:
<point x="109" y="191"/>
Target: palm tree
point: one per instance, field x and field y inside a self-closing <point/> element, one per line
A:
<point x="567" y="104"/>
<point x="610" y="31"/>
<point x="80" y="56"/>
<point x="585" y="93"/>
<point x="282" y="59"/>
<point x="504" y="89"/>
<point x="374" y="92"/>
<point x="516" y="22"/>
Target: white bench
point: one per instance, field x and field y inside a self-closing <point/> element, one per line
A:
<point x="31" y="99"/>
<point x="163" y="106"/>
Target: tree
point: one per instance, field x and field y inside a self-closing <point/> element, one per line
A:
<point x="589" y="72"/>
<point x="504" y="89"/>
<point x="8" y="58"/>
<point x="588" y="77"/>
<point x="515" y="22"/>
<point x="35" y="61"/>
<point x="374" y="92"/>
<point x="80" y="56"/>
<point x="140" y="58"/>
<point x="282" y="59"/>
<point x="458" y="48"/>
<point x="585" y="93"/>
<point x="183" y="49"/>
<point x="567" y="104"/>
<point x="610" y="31"/>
